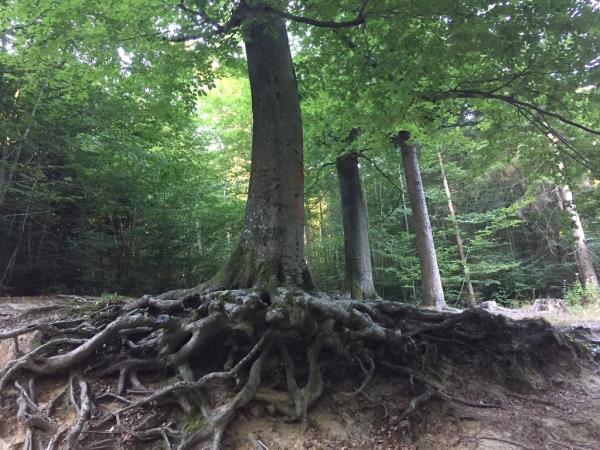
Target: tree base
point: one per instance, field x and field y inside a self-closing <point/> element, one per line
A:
<point x="212" y="353"/>
<point x="243" y="271"/>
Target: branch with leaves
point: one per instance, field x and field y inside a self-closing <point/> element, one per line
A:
<point x="510" y="100"/>
<point x="244" y="10"/>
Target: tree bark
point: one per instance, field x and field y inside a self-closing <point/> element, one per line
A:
<point x="461" y="251"/>
<point x="271" y="248"/>
<point x="431" y="283"/>
<point x="359" y="274"/>
<point x="585" y="260"/>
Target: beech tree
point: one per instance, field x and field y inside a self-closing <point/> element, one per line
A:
<point x="213" y="337"/>
<point x="431" y="282"/>
<point x="585" y="260"/>
<point x="271" y="249"/>
<point x="357" y="252"/>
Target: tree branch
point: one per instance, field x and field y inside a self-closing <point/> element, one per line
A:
<point x="543" y="127"/>
<point x="358" y="20"/>
<point x="511" y="100"/>
<point x="385" y="175"/>
<point x="217" y="29"/>
<point x="244" y="9"/>
<point x="202" y="15"/>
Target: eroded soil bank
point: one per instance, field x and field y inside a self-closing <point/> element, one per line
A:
<point x="558" y="414"/>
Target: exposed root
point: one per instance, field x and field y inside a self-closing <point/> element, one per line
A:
<point x="415" y="403"/>
<point x="56" y="439"/>
<point x="83" y="415"/>
<point x="504" y="441"/>
<point x="29" y="414"/>
<point x="301" y="398"/>
<point x="368" y="374"/>
<point x="247" y="345"/>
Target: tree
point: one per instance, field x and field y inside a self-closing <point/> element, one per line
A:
<point x="431" y="282"/>
<point x="585" y="260"/>
<point x="583" y="256"/>
<point x="459" y="244"/>
<point x="211" y="337"/>
<point x="271" y="250"/>
<point x="357" y="252"/>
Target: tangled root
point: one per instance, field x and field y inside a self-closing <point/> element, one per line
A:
<point x="272" y="347"/>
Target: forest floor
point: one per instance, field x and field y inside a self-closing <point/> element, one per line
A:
<point x="561" y="414"/>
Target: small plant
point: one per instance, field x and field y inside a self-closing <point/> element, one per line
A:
<point x="111" y="297"/>
<point x="503" y="299"/>
<point x="578" y="294"/>
<point x="192" y="422"/>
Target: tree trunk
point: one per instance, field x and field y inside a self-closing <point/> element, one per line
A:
<point x="431" y="283"/>
<point x="271" y="248"/>
<point x="461" y="251"/>
<point x="585" y="261"/>
<point x="359" y="275"/>
<point x="406" y="226"/>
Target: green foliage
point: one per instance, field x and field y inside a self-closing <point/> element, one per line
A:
<point x="574" y="294"/>
<point x="111" y="297"/>
<point x="128" y="155"/>
<point x="108" y="192"/>
<point x="193" y="422"/>
<point x="577" y="294"/>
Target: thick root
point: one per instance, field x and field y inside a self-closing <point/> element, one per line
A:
<point x="255" y="345"/>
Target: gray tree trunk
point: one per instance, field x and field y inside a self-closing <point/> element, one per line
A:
<point x="271" y="249"/>
<point x="461" y="250"/>
<point x="359" y="274"/>
<point x="431" y="282"/>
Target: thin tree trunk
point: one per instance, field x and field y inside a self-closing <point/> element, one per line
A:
<point x="41" y="243"/>
<point x="8" y="270"/>
<point x="585" y="260"/>
<point x="359" y="275"/>
<point x="320" y="220"/>
<point x="431" y="282"/>
<point x="461" y="251"/>
<point x="406" y="226"/>
<point x="271" y="249"/>
<point x="7" y="177"/>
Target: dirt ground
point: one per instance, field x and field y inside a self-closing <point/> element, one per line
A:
<point x="559" y="414"/>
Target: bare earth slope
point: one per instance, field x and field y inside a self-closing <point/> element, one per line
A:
<point x="558" y="414"/>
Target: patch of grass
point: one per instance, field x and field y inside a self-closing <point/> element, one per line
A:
<point x="112" y="297"/>
<point x="589" y="312"/>
<point x="576" y="315"/>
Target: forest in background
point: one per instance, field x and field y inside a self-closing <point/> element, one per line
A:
<point x="133" y="178"/>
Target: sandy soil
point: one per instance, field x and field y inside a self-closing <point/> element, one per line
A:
<point x="563" y="414"/>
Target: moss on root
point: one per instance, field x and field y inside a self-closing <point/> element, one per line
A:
<point x="243" y="270"/>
